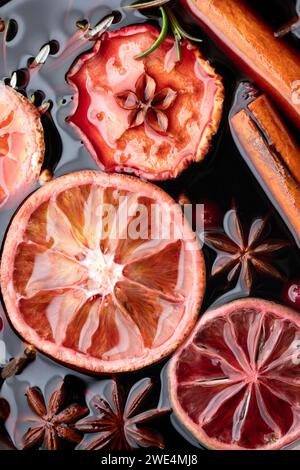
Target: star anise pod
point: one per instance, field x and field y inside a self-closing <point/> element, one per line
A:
<point x="241" y="253"/>
<point x="5" y="442"/>
<point x="117" y="422"/>
<point x="54" y="423"/>
<point x="146" y="105"/>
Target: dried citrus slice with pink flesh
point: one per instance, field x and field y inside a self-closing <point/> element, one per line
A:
<point x="235" y="383"/>
<point x="21" y="146"/>
<point x="93" y="288"/>
<point x="152" y="116"/>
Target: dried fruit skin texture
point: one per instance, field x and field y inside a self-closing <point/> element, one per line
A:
<point x="21" y="146"/>
<point x="95" y="298"/>
<point x="235" y="382"/>
<point x="154" y="131"/>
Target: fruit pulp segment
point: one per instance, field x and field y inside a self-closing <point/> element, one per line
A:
<point x="83" y="282"/>
<point x="12" y="150"/>
<point x="239" y="378"/>
<point x="21" y="149"/>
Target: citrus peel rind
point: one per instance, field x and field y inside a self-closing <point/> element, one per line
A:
<point x="100" y="303"/>
<point x="235" y="384"/>
<point x="22" y="146"/>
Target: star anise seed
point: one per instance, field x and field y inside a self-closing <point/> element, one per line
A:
<point x="146" y="105"/>
<point x="240" y="254"/>
<point x="118" y="423"/>
<point x="56" y="423"/>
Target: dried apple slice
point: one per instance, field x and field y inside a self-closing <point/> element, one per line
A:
<point x="22" y="146"/>
<point x="152" y="116"/>
<point x="99" y="299"/>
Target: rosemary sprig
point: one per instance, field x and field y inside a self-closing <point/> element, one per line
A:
<point x="178" y="38"/>
<point x="178" y="28"/>
<point x="161" y="37"/>
<point x="168" y="18"/>
<point x="143" y="6"/>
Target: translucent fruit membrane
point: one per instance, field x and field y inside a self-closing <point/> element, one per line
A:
<point x="111" y="70"/>
<point x="21" y="146"/>
<point x="83" y="286"/>
<point x="235" y="384"/>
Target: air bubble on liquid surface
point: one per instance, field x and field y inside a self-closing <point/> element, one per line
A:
<point x="11" y="31"/>
<point x="22" y="78"/>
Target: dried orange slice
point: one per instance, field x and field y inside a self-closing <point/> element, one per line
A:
<point x="93" y="288"/>
<point x="22" y="145"/>
<point x="235" y="382"/>
<point x="153" y="116"/>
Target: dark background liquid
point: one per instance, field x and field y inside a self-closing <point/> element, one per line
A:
<point x="223" y="177"/>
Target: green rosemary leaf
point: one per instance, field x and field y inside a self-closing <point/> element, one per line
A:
<point x="188" y="36"/>
<point x="178" y="27"/>
<point x="178" y="38"/>
<point x="144" y="5"/>
<point x="161" y="37"/>
<point x="178" y="46"/>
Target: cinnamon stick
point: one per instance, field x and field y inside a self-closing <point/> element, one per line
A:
<point x="277" y="133"/>
<point x="272" y="155"/>
<point x="251" y="43"/>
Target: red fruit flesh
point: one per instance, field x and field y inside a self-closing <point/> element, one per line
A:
<point x="235" y="383"/>
<point x="21" y="146"/>
<point x="81" y="287"/>
<point x="188" y="121"/>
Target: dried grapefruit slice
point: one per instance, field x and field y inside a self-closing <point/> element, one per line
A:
<point x="21" y="145"/>
<point x="235" y="383"/>
<point x="152" y="117"/>
<point x="97" y="290"/>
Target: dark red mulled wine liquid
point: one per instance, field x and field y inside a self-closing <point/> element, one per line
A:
<point x="222" y="178"/>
